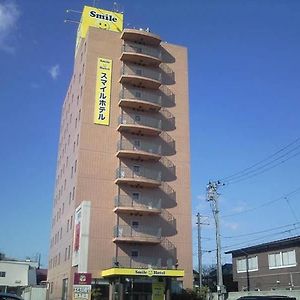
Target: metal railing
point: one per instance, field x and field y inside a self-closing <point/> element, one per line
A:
<point x="143" y="232"/>
<point x="141" y="49"/>
<point x="143" y="262"/>
<point x="141" y="202"/>
<point x="141" y="94"/>
<point x="168" y="139"/>
<point x="167" y="114"/>
<point x="170" y="247"/>
<point x="140" y="71"/>
<point x="168" y="216"/>
<point x="140" y="120"/>
<point x="168" y="190"/>
<point x="142" y="145"/>
<point x="138" y="172"/>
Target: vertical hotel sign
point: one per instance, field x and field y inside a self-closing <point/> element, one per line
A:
<point x="103" y="88"/>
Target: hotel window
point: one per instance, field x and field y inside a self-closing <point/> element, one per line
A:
<point x="73" y="193"/>
<point x="136" y="169"/>
<point x="136" y="196"/>
<point x="135" y="224"/>
<point x="137" y="144"/>
<point x="282" y="259"/>
<point x="138" y="72"/>
<point x="138" y="94"/>
<point x="134" y="253"/>
<point x="2" y="274"/>
<point x="69" y="252"/>
<point x="66" y="252"/>
<point x="241" y="264"/>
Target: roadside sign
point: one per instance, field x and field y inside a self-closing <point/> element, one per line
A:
<point x="81" y="292"/>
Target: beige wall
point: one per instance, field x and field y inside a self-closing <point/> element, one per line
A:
<point x="95" y="152"/>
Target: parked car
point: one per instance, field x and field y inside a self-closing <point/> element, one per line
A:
<point x="8" y="296"/>
<point x="275" y="297"/>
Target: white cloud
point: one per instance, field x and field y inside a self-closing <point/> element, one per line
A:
<point x="54" y="71"/>
<point x="9" y="15"/>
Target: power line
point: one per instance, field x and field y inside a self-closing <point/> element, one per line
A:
<point x="261" y="231"/>
<point x="264" y="204"/>
<point x="256" y="239"/>
<point x="237" y="174"/>
<point x="264" y="170"/>
<point x="260" y="238"/>
<point x="291" y="209"/>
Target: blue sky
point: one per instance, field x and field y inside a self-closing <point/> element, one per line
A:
<point x="244" y="70"/>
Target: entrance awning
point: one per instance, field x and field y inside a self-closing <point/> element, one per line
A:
<point x="142" y="272"/>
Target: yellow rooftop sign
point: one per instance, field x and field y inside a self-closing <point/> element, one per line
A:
<point x="98" y="18"/>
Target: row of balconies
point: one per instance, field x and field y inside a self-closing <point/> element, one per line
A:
<point x="141" y="78"/>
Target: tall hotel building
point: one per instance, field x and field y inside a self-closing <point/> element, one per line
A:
<point x="122" y="209"/>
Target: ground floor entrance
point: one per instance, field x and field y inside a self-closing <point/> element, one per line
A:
<point x="140" y="284"/>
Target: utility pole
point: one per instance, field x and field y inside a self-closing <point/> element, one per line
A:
<point x="212" y="197"/>
<point x="199" y="223"/>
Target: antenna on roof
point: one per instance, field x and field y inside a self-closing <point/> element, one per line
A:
<point x="118" y="8"/>
<point x="115" y="7"/>
<point x="72" y="11"/>
<point x="71" y="21"/>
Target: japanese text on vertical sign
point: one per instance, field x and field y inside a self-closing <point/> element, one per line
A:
<point x="103" y="87"/>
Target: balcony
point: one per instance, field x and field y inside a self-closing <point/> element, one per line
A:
<point x="138" y="262"/>
<point x="141" y="37"/>
<point x="128" y="204"/>
<point x="139" y="124"/>
<point x="138" y="149"/>
<point x="139" y="234"/>
<point x="140" y="54"/>
<point x="137" y="98"/>
<point x="138" y="176"/>
<point x="140" y="76"/>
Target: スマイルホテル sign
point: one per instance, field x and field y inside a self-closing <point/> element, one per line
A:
<point x="103" y="87"/>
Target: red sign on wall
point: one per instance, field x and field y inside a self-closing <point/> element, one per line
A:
<point x="77" y="237"/>
<point x="83" y="278"/>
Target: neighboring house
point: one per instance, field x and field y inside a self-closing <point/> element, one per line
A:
<point x="15" y="275"/>
<point x="268" y="266"/>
